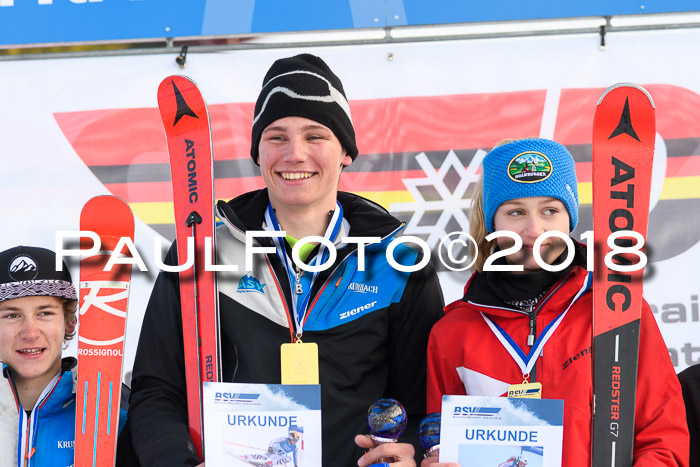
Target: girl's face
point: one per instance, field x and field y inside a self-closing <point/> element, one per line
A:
<point x="529" y="218"/>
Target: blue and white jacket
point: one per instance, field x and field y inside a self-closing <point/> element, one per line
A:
<point x="46" y="437"/>
<point x="371" y="328"/>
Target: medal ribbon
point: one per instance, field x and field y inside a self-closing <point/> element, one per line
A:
<point x="300" y="303"/>
<point x="527" y="362"/>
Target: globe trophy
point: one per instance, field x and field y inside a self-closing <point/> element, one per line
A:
<point x="387" y="420"/>
<point x="429" y="434"/>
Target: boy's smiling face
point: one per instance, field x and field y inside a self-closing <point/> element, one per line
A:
<point x="32" y="330"/>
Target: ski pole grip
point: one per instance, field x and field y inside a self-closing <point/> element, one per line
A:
<point x="193" y="218"/>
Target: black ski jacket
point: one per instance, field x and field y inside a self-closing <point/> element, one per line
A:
<point x="371" y="328"/>
<point x="690" y="384"/>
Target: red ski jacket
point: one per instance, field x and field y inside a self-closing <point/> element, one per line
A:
<point x="466" y="357"/>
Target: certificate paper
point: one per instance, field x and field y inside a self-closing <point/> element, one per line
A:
<point x="262" y="425"/>
<point x="501" y="432"/>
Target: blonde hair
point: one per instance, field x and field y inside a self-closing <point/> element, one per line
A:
<point x="477" y="222"/>
<point x="477" y="227"/>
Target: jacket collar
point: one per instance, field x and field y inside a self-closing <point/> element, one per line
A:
<point x="478" y="294"/>
<point x="64" y="391"/>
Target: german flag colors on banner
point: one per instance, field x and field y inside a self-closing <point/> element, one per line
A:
<point x="417" y="155"/>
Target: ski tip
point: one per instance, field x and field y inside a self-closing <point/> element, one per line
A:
<point x="107" y="201"/>
<point x="165" y="82"/>
<point x="109" y="215"/>
<point x="626" y="85"/>
<point x="175" y="78"/>
<point x="165" y="88"/>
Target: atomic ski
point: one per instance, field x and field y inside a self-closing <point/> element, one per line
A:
<point x="102" y="320"/>
<point x="186" y="122"/>
<point x="624" y="130"/>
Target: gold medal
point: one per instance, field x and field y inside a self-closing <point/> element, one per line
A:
<point x="525" y="390"/>
<point x="299" y="363"/>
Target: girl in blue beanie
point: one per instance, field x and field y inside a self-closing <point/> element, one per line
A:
<point x="532" y="323"/>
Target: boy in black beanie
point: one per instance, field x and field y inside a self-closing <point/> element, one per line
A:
<point x="371" y="324"/>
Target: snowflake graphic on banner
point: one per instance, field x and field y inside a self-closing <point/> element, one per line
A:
<point x="452" y="203"/>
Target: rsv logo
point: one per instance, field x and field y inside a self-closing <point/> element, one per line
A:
<point x="235" y="396"/>
<point x="475" y="412"/>
<point x="522" y="393"/>
<point x="248" y="283"/>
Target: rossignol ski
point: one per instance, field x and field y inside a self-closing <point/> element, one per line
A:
<point x="102" y="321"/>
<point x="624" y="131"/>
<point x="186" y="122"/>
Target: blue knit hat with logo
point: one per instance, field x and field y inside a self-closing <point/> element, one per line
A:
<point x="528" y="168"/>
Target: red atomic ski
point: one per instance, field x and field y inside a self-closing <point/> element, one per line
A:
<point x="624" y="130"/>
<point x="186" y="122"/>
<point x="102" y="321"/>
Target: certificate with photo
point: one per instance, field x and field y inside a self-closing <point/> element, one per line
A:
<point x="501" y="432"/>
<point x="262" y="425"/>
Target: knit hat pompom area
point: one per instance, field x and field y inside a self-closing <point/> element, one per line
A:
<point x="527" y="168"/>
<point x="303" y="86"/>
<point x="27" y="271"/>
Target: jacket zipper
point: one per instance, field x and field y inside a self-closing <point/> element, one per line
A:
<point x="337" y="266"/>
<point x="532" y="319"/>
<point x="26" y="451"/>
<point x="532" y="337"/>
<point x="297" y="281"/>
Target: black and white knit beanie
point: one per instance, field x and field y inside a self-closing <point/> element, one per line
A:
<point x="27" y="271"/>
<point x="303" y="86"/>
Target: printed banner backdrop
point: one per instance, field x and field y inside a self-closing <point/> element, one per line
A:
<point x="425" y="114"/>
